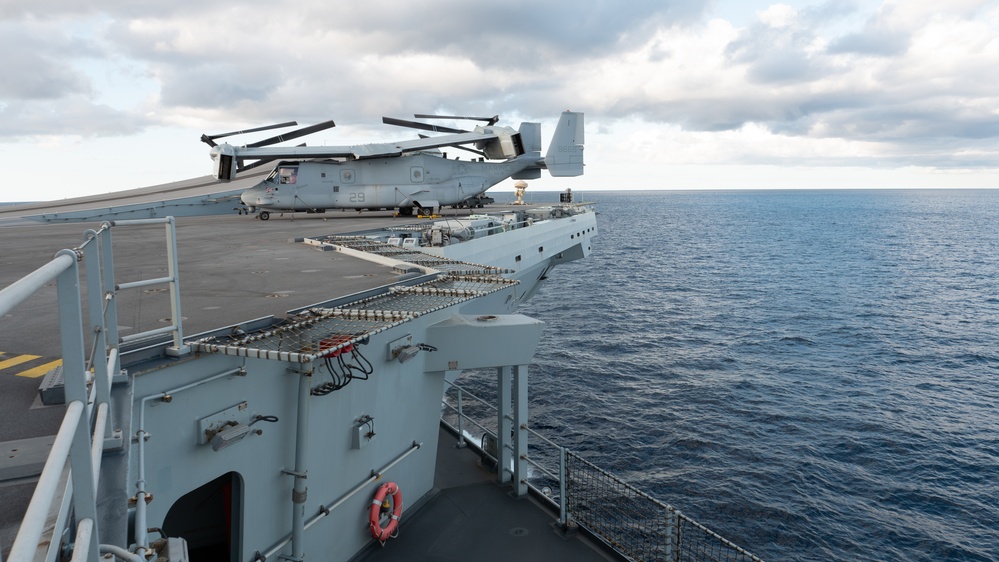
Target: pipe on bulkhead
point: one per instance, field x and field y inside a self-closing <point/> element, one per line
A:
<point x="119" y="552"/>
<point x="300" y="492"/>
<point x="141" y="532"/>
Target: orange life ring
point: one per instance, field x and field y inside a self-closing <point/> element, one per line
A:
<point x="377" y="531"/>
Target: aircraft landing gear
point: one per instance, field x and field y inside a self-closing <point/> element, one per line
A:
<point x="406" y="211"/>
<point x="264" y="215"/>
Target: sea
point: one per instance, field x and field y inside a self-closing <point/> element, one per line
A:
<point x="812" y="374"/>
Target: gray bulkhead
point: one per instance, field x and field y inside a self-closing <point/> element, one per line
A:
<point x="401" y="400"/>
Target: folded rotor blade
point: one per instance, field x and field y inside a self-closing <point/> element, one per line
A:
<point x="418" y="125"/>
<point x="459" y="147"/>
<point x="242" y="166"/>
<point x="210" y="139"/>
<point x="489" y="120"/>
<point x="261" y="162"/>
<point x="294" y="134"/>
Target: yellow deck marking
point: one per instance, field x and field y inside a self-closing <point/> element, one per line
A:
<point x="40" y="370"/>
<point x="17" y="361"/>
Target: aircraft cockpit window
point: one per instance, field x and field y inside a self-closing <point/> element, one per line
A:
<point x="288" y="175"/>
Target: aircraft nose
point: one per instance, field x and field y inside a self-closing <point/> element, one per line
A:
<point x="253" y="196"/>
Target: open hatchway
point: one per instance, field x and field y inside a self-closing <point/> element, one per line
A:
<point x="209" y="519"/>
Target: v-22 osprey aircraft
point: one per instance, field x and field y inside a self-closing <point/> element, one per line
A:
<point x="405" y="175"/>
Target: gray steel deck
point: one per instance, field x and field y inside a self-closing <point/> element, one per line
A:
<point x="471" y="517"/>
<point x="232" y="269"/>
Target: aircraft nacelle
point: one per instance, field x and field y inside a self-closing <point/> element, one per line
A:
<point x="507" y="144"/>
<point x="224" y="157"/>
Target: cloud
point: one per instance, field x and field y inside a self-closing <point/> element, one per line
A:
<point x="783" y="47"/>
<point x="786" y="74"/>
<point x="353" y="53"/>
<point x="511" y="33"/>
<point x="75" y="116"/>
<point x="33" y="65"/>
<point x="46" y="91"/>
<point x="62" y="10"/>
<point x="882" y="35"/>
<point x="902" y="81"/>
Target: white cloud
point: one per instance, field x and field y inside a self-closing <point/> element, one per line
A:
<point x="778" y="16"/>
<point x="798" y="85"/>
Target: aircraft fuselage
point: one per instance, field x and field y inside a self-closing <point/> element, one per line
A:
<point x="418" y="180"/>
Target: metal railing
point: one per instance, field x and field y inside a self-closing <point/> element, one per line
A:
<point x="630" y="521"/>
<point x="85" y="431"/>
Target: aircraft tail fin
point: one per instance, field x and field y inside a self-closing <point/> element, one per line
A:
<point x="565" y="152"/>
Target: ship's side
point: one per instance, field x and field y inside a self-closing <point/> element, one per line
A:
<point x="322" y="408"/>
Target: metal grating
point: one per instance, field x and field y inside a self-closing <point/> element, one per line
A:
<point x="325" y="332"/>
<point x="429" y="297"/>
<point x="636" y="524"/>
<point x="409" y="255"/>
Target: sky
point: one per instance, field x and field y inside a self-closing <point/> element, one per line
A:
<point x="106" y="95"/>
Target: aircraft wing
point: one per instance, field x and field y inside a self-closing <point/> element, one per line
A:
<point x="359" y="151"/>
<point x="445" y="140"/>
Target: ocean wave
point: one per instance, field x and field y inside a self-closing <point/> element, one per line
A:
<point x="810" y="374"/>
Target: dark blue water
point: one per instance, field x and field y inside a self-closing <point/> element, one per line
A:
<point x="812" y="374"/>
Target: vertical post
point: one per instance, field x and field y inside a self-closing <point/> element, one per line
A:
<point x="504" y="427"/>
<point x="141" y="529"/>
<point x="520" y="429"/>
<point x="461" y="434"/>
<point x="563" y="490"/>
<point x="95" y="303"/>
<point x="300" y="492"/>
<point x="74" y="368"/>
<point x="172" y="266"/>
<point x="672" y="550"/>
<point x="111" y="316"/>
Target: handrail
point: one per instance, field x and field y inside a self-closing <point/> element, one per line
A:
<point x="375" y="475"/>
<point x="561" y="501"/>
<point x="97" y="444"/>
<point x="20" y="290"/>
<point x="676" y="539"/>
<point x="86" y="423"/>
<point x="33" y="524"/>
<point x="84" y="532"/>
<point x="172" y="279"/>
